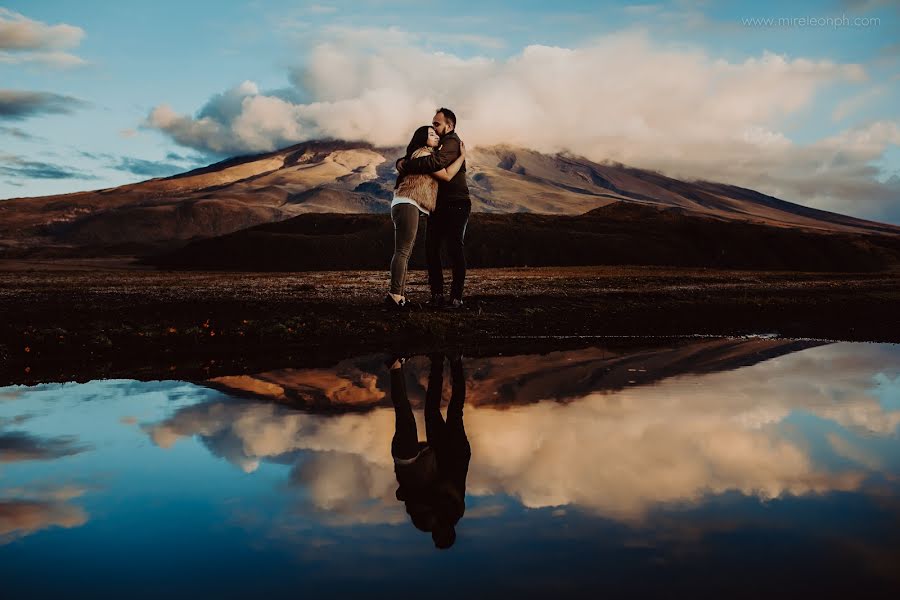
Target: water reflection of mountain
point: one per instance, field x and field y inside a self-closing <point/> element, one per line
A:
<point x="360" y="383"/>
<point x="807" y="421"/>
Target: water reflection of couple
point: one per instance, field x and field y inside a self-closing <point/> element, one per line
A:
<point x="432" y="474"/>
<point x="431" y="183"/>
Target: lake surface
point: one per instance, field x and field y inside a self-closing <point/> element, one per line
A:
<point x="739" y="467"/>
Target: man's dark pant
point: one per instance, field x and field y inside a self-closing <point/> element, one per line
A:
<point x="447" y="224"/>
<point x="448" y="438"/>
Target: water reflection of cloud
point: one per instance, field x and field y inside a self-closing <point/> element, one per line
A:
<point x="244" y="432"/>
<point x="624" y="457"/>
<point x="619" y="453"/>
<point x="15" y="420"/>
<point x="19" y="446"/>
<point x="23" y="513"/>
<point x="350" y="488"/>
<point x="10" y="394"/>
<point x="345" y="466"/>
<point x="846" y="449"/>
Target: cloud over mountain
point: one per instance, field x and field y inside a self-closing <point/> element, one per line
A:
<point x="623" y="97"/>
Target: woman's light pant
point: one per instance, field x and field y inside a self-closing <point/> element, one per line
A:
<point x="406" y="224"/>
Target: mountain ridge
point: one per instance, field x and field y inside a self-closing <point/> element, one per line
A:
<point x="334" y="176"/>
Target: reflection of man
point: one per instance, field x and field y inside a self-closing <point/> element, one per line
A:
<point x="432" y="474"/>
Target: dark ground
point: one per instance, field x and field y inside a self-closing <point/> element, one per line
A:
<point x="92" y="321"/>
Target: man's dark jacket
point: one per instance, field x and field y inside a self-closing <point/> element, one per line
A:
<point x="450" y="193"/>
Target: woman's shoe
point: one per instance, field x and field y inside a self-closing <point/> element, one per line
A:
<point x="393" y="304"/>
<point x="394" y="361"/>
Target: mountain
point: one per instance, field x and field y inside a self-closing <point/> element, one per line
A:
<point x="344" y="177"/>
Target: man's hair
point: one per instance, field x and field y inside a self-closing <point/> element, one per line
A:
<point x="448" y="114"/>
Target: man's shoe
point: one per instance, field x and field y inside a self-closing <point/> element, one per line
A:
<point x="437" y="301"/>
<point x="411" y="305"/>
<point x="454" y="304"/>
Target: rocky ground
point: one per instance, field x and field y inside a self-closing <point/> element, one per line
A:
<point x="85" y="320"/>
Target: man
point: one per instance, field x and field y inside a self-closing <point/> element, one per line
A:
<point x="447" y="223"/>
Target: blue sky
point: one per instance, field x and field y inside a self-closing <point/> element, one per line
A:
<point x="825" y="82"/>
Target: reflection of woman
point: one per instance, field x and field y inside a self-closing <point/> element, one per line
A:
<point x="414" y="194"/>
<point x="432" y="474"/>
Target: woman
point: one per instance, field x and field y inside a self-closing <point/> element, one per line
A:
<point x="414" y="194"/>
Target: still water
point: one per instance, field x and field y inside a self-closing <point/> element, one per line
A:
<point x="737" y="467"/>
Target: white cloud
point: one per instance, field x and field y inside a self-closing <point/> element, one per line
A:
<point x="856" y="102"/>
<point x="23" y="40"/>
<point x="321" y="9"/>
<point x="642" y="10"/>
<point x="61" y="60"/>
<point x="19" y="32"/>
<point x="623" y="97"/>
<point x="481" y="41"/>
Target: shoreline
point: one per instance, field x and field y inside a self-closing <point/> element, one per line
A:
<point x="71" y="324"/>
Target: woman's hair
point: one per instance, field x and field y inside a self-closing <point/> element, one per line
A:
<point x="419" y="139"/>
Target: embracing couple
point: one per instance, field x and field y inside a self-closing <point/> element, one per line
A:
<point x="431" y="182"/>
